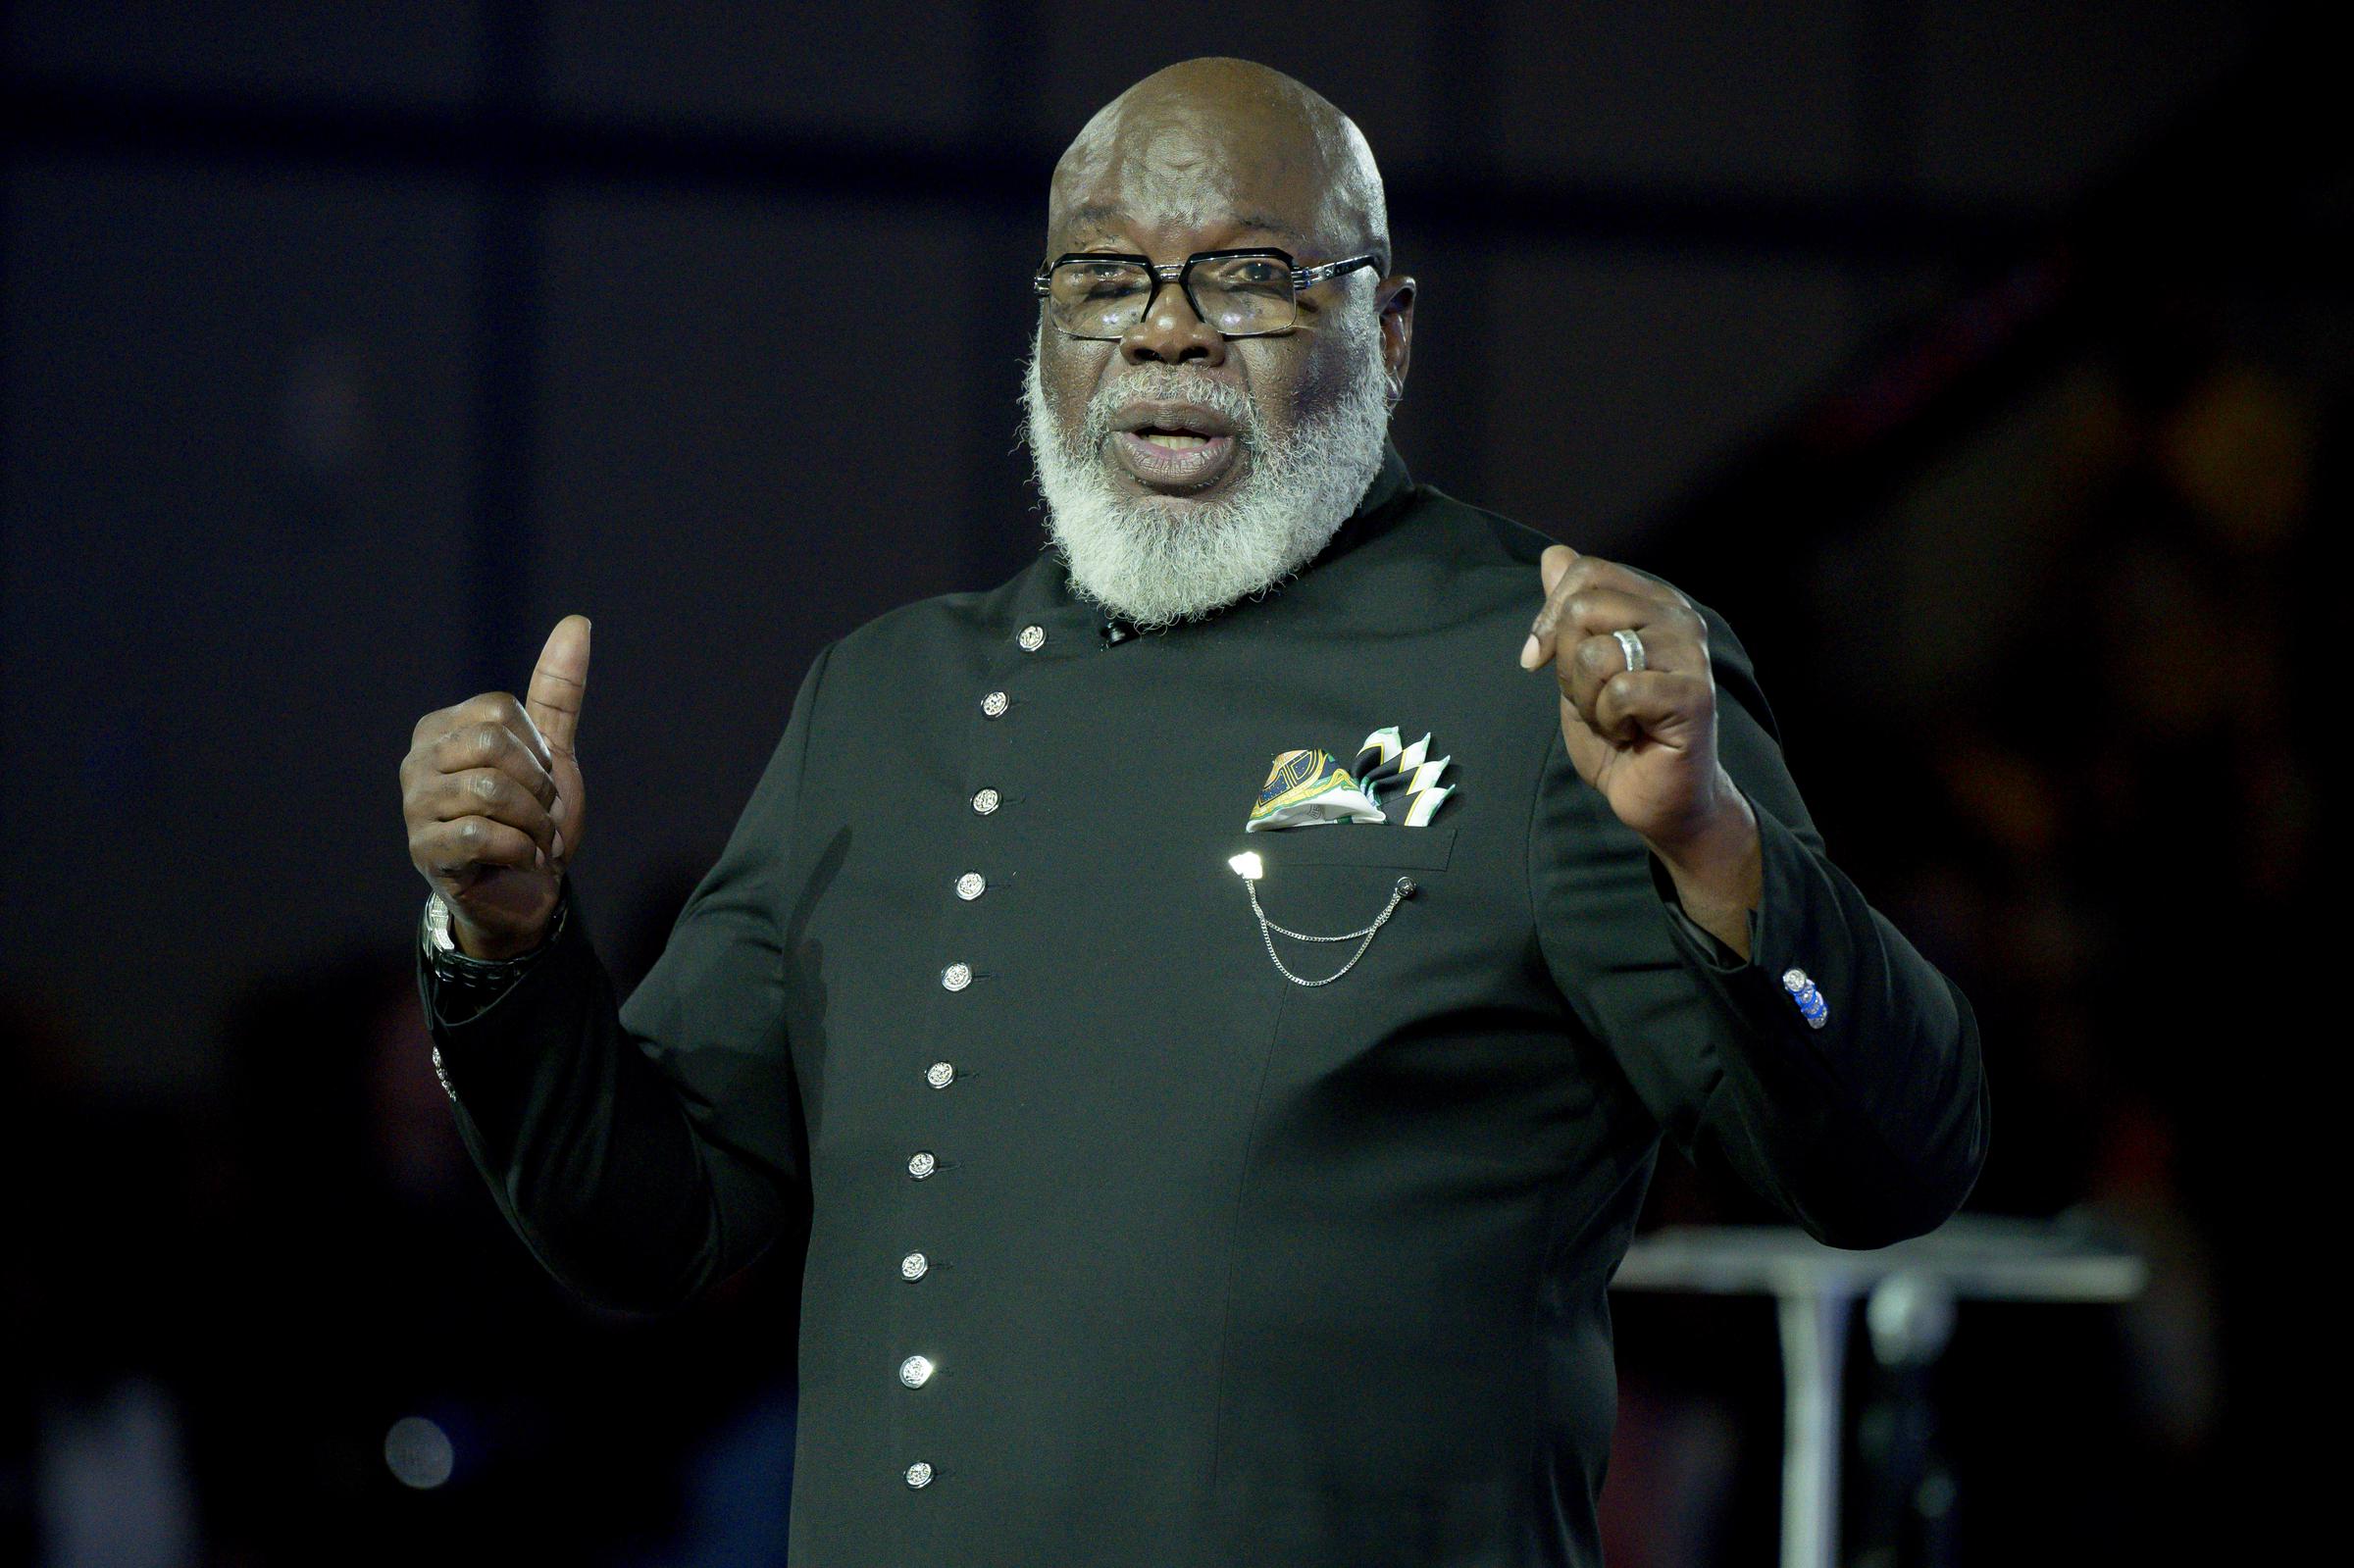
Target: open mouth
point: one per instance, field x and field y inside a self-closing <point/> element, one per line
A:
<point x="1173" y="448"/>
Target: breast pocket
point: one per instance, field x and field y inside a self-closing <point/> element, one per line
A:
<point x="1319" y="901"/>
<point x="1348" y="845"/>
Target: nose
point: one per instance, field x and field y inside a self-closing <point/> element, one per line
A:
<point x="1171" y="333"/>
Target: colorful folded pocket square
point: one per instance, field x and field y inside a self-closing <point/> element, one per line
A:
<point x="1309" y="786"/>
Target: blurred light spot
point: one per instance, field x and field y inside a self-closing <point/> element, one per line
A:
<point x="419" y="1452"/>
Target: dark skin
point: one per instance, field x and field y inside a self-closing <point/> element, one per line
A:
<point x="1214" y="154"/>
<point x="1647" y="738"/>
<point x="491" y="793"/>
<point x="1207" y="155"/>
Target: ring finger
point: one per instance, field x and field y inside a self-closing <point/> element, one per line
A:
<point x="1596" y="657"/>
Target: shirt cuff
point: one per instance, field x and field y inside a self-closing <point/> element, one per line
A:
<point x="1700" y="944"/>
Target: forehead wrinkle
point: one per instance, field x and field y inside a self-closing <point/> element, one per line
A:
<point x="1139" y="191"/>
<point x="1107" y="219"/>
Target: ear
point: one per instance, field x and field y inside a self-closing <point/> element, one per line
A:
<point x="1395" y="296"/>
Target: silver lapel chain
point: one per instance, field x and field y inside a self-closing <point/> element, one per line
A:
<point x="1403" y="890"/>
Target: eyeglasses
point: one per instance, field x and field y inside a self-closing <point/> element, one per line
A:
<point x="1243" y="293"/>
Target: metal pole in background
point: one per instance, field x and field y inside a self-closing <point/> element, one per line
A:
<point x="1813" y="1318"/>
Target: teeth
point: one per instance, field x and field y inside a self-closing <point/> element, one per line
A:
<point x="1175" y="441"/>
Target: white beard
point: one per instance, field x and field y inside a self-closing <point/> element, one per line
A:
<point x="1155" y="563"/>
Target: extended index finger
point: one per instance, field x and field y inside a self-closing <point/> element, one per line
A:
<point x="559" y="682"/>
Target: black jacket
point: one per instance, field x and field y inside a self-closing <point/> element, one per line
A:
<point x="1216" y="1268"/>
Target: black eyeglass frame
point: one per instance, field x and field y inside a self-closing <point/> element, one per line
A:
<point x="1180" y="273"/>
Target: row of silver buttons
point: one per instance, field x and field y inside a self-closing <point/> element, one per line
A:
<point x="916" y="1370"/>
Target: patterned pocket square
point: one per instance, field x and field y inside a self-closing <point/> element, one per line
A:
<point x="1308" y="787"/>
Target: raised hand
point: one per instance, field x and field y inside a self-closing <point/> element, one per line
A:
<point x="1639" y="718"/>
<point x="491" y="794"/>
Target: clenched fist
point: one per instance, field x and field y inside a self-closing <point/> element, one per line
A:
<point x="1638" y="710"/>
<point x="491" y="793"/>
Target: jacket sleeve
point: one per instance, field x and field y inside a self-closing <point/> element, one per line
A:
<point x="1864" y="1130"/>
<point x="647" y="1151"/>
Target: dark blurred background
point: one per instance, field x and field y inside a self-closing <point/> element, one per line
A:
<point x="1980" y="359"/>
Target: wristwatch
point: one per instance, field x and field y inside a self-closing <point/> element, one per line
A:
<point x="452" y="960"/>
<point x="477" y="982"/>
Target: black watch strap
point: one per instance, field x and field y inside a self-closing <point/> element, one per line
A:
<point x="455" y="968"/>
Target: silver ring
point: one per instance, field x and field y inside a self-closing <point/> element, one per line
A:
<point x="1632" y="646"/>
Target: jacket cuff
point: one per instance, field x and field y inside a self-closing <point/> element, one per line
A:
<point x="1776" y="988"/>
<point x="475" y="1012"/>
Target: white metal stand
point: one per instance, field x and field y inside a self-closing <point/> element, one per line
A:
<point x="1972" y="1257"/>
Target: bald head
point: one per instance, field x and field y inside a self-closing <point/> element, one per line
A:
<point x="1185" y="464"/>
<point x="1219" y="142"/>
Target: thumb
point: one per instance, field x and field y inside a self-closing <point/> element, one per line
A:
<point x="559" y="682"/>
<point x="1552" y="563"/>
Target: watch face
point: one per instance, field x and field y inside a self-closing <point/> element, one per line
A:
<point x="437" y="923"/>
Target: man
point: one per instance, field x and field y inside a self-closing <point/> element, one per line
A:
<point x="1140" y="1230"/>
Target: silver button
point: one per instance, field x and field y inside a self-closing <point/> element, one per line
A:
<point x="921" y="1164"/>
<point x="985" y="801"/>
<point x="915" y="1371"/>
<point x="994" y="704"/>
<point x="919" y="1474"/>
<point x="940" y="1075"/>
<point x="914" y="1266"/>
<point x="970" y="886"/>
<point x="1033" y="638"/>
<point x="957" y="977"/>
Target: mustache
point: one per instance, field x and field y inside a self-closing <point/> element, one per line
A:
<point x="1170" y="383"/>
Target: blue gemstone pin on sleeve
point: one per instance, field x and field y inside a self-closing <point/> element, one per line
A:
<point x="1811" y="1005"/>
